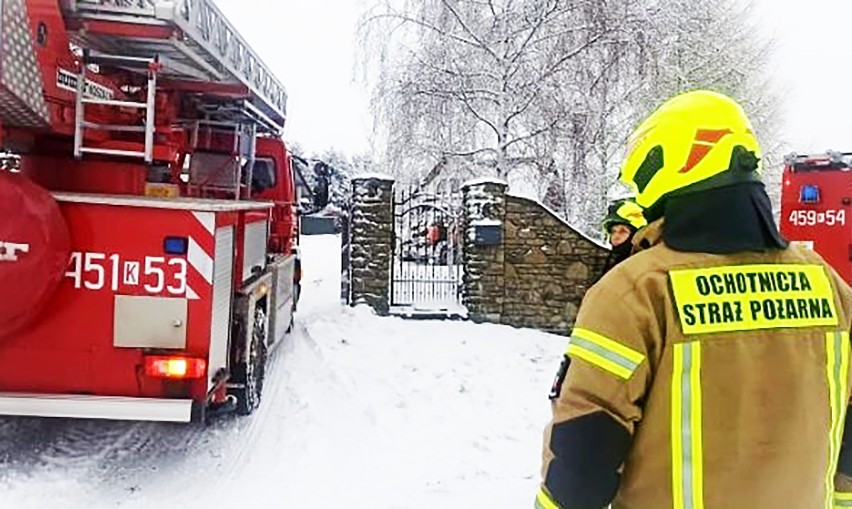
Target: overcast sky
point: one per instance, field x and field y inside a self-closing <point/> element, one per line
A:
<point x="813" y="62"/>
<point x="310" y="46"/>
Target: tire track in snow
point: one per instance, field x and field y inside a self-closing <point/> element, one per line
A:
<point x="109" y="458"/>
<point x="22" y="440"/>
<point x="165" y="461"/>
<point x="269" y="419"/>
<point x="86" y="444"/>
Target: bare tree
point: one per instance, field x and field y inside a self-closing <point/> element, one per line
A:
<point x="481" y="84"/>
<point x="548" y="90"/>
<point x="717" y="49"/>
<point x="657" y="50"/>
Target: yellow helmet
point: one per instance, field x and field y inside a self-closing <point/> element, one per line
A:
<point x="691" y="138"/>
<point x="625" y="212"/>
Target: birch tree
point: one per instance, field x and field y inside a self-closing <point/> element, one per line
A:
<point x="659" y="50"/>
<point x="478" y="82"/>
<point x="717" y="48"/>
<point x="548" y="90"/>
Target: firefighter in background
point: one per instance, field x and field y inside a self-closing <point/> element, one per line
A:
<point x="711" y="370"/>
<point x="624" y="218"/>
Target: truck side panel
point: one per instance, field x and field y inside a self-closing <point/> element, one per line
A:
<point x="283" y="289"/>
<point x="222" y="301"/>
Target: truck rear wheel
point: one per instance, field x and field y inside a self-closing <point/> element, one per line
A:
<point x="249" y="374"/>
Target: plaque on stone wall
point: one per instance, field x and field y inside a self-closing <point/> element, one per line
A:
<point x="487" y="233"/>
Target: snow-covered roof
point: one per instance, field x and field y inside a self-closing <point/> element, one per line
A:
<point x="485" y="180"/>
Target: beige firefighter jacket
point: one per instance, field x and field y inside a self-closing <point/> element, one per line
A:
<point x="730" y="372"/>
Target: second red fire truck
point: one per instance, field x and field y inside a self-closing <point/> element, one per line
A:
<point x="816" y="206"/>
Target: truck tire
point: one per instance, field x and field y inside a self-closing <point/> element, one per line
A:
<point x="249" y="374"/>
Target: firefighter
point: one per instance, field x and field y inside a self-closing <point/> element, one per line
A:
<point x="710" y="370"/>
<point x="624" y="218"/>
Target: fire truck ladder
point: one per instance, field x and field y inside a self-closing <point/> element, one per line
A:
<point x="194" y="41"/>
<point x="84" y="98"/>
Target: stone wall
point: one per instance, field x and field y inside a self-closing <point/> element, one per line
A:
<point x="538" y="272"/>
<point x="522" y="265"/>
<point x="548" y="267"/>
<point x="371" y="242"/>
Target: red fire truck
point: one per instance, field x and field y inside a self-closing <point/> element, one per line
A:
<point x="149" y="243"/>
<point x="816" y="198"/>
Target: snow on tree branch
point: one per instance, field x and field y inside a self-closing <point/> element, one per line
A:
<point x="544" y="93"/>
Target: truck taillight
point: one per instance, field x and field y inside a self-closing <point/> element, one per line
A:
<point x="174" y="367"/>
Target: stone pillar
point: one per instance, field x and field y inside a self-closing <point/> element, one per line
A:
<point x="371" y="241"/>
<point x="483" y="259"/>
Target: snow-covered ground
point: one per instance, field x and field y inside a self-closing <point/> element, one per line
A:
<point x="359" y="411"/>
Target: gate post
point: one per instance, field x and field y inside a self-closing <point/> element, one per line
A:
<point x="345" y="266"/>
<point x="371" y="241"/>
<point x="483" y="256"/>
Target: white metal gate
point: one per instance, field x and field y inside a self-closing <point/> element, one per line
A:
<point x="426" y="269"/>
